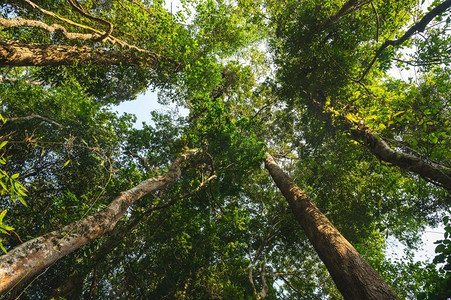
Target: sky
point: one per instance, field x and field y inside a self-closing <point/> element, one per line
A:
<point x="143" y="105"/>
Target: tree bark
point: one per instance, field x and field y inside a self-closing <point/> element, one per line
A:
<point x="436" y="173"/>
<point x="14" y="54"/>
<point x="354" y="277"/>
<point x="31" y="257"/>
<point x="439" y="174"/>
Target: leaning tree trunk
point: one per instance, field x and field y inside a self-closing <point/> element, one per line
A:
<point x="15" y="54"/>
<point x="438" y="174"/>
<point x="31" y="257"/>
<point x="354" y="277"/>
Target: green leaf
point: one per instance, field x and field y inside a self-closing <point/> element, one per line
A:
<point x="440" y="248"/>
<point x="6" y="227"/>
<point x="66" y="163"/>
<point x="3" y="186"/>
<point x="22" y="200"/>
<point x="1" y="246"/>
<point x="2" y="215"/>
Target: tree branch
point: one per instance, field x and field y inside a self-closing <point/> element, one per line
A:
<point x="265" y="287"/>
<point x="287" y="282"/>
<point x="142" y="159"/>
<point x="14" y="54"/>
<point x="435" y="172"/>
<point x="418" y="27"/>
<point x="37" y="254"/>
<point x="109" y="38"/>
<point x="16" y="22"/>
<point x="429" y="170"/>
<point x="81" y="10"/>
<point x="31" y="117"/>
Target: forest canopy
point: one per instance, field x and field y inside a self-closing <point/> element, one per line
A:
<point x="301" y="158"/>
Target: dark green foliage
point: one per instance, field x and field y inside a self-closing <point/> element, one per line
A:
<point x="203" y="236"/>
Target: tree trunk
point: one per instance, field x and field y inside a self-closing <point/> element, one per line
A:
<point x="15" y="55"/>
<point x="437" y="173"/>
<point x="31" y="257"/>
<point x="354" y="277"/>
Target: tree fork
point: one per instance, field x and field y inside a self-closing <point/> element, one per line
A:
<point x="31" y="257"/>
<point x="354" y="277"/>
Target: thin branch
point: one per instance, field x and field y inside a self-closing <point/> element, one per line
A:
<point x="201" y="185"/>
<point x="251" y="280"/>
<point x="269" y="236"/>
<point x="3" y="79"/>
<point x="110" y="38"/>
<point x="377" y="21"/>
<point x="142" y="159"/>
<point x="344" y="10"/>
<point x="284" y="274"/>
<point x="417" y="63"/>
<point x="260" y="110"/>
<point x="142" y="7"/>
<point x="418" y="27"/>
<point x="16" y="22"/>
<point x="31" y="117"/>
<point x="172" y="202"/>
<point x="52" y="14"/>
<point x="345" y="73"/>
<point x="265" y="287"/>
<point x="291" y="286"/>
<point x="81" y="10"/>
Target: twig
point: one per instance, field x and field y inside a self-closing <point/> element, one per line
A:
<point x="172" y="202"/>
<point x="142" y="159"/>
<point x="81" y="10"/>
<point x="377" y="21"/>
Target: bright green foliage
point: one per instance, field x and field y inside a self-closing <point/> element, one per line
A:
<point x="10" y="186"/>
<point x="4" y="229"/>
<point x="223" y="237"/>
<point x="9" y="183"/>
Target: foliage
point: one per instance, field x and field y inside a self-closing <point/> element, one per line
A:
<point x="10" y="186"/>
<point x="223" y="231"/>
<point x="442" y="287"/>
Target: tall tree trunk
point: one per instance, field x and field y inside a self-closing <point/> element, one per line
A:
<point x="354" y="277"/>
<point x="31" y="257"/>
<point x="14" y="54"/>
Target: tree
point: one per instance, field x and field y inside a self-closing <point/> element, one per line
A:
<point x="355" y="278"/>
<point x="51" y="247"/>
<point x="221" y="230"/>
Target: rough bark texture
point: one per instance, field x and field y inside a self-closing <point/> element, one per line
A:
<point x="33" y="256"/>
<point x="354" y="277"/>
<point x="19" y="22"/>
<point x="419" y="165"/>
<point x="438" y="174"/>
<point x="14" y="54"/>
